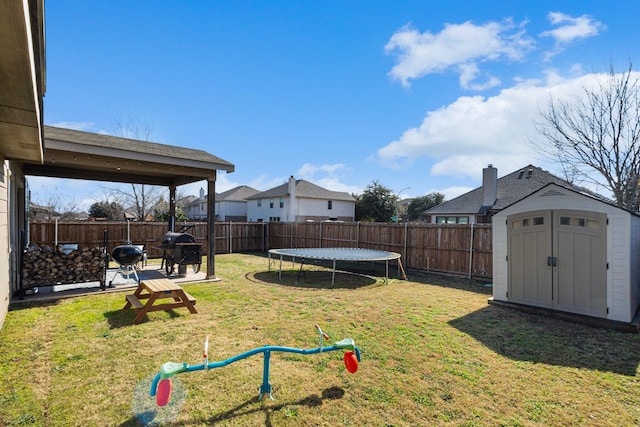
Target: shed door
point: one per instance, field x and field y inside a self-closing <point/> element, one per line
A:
<point x="530" y="277"/>
<point x="557" y="259"/>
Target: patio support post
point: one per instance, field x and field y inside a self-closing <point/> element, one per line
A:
<point x="172" y="207"/>
<point x="211" y="227"/>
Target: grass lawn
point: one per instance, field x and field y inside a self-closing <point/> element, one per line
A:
<point x="434" y="353"/>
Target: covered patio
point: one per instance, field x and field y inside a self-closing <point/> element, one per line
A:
<point x="76" y="154"/>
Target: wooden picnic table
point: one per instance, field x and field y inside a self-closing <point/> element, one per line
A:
<point x="154" y="290"/>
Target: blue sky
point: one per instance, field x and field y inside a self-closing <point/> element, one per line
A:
<point x="419" y="94"/>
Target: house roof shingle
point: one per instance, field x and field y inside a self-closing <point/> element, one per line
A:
<point x="511" y="188"/>
<point x="304" y="189"/>
<point x="237" y="194"/>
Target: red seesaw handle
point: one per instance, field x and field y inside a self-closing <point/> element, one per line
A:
<point x="164" y="392"/>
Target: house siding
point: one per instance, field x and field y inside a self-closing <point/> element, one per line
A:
<point x="303" y="209"/>
<point x="622" y="296"/>
<point x="318" y="208"/>
<point x="229" y="210"/>
<point x="5" y="276"/>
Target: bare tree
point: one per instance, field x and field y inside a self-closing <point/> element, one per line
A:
<point x="52" y="203"/>
<point x="133" y="128"/>
<point x="141" y="198"/>
<point x="596" y="136"/>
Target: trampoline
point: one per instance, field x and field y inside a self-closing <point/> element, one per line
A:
<point x="334" y="255"/>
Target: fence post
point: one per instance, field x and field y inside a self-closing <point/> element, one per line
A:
<point x="471" y="253"/>
<point x="404" y="250"/>
<point x="230" y="239"/>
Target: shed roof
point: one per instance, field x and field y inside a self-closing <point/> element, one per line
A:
<point x="84" y="155"/>
<point x="510" y="189"/>
<point x="304" y="189"/>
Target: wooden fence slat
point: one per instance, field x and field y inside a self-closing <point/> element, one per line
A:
<point x="446" y="248"/>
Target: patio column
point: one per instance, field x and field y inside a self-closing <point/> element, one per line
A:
<point x="172" y="207"/>
<point x="211" y="227"/>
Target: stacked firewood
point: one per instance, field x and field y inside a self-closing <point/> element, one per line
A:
<point x="46" y="266"/>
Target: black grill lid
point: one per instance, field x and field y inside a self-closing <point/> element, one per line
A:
<point x="126" y="254"/>
<point x="170" y="239"/>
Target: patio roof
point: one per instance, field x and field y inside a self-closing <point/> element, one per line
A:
<point x="22" y="73"/>
<point x="97" y="157"/>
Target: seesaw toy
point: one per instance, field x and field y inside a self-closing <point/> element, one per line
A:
<point x="161" y="384"/>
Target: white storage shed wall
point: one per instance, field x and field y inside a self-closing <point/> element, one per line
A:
<point x="622" y="246"/>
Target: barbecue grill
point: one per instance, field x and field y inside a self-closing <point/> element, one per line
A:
<point x="181" y="248"/>
<point x="127" y="256"/>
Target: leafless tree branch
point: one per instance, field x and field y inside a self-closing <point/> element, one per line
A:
<point x="596" y="137"/>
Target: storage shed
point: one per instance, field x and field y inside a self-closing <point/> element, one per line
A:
<point x="568" y="250"/>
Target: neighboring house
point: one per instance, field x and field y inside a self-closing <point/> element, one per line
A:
<point x="299" y="200"/>
<point x="196" y="210"/>
<point x="230" y="205"/>
<point x="403" y="209"/>
<point x="479" y="205"/>
<point x="39" y="212"/>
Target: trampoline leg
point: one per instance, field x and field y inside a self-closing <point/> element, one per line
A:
<point x="333" y="274"/>
<point x="300" y="271"/>
<point x="386" y="273"/>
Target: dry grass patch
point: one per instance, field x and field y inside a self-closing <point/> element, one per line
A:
<point x="434" y="353"/>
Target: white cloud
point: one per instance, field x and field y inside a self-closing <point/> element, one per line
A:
<point x="308" y="170"/>
<point x="84" y="126"/>
<point x="466" y="135"/>
<point x="327" y="176"/>
<point x="223" y="183"/>
<point x="469" y="72"/>
<point x="452" y="192"/>
<point x="459" y="47"/>
<point x="570" y="29"/>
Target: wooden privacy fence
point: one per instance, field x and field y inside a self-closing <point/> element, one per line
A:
<point x="445" y="248"/>
<point x="230" y="236"/>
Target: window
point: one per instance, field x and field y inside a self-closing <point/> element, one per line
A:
<point x="452" y="220"/>
<point x="274" y="218"/>
<point x="281" y="202"/>
<point x="329" y="204"/>
<point x="580" y="222"/>
<point x="271" y="203"/>
<point x="528" y="222"/>
<point x="259" y="202"/>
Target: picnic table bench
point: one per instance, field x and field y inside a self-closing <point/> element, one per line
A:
<point x="154" y="290"/>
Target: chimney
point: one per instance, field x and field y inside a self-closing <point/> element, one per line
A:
<point x="292" y="187"/>
<point x="202" y="193"/>
<point x="489" y="186"/>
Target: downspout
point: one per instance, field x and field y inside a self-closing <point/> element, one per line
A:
<point x="471" y="253"/>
